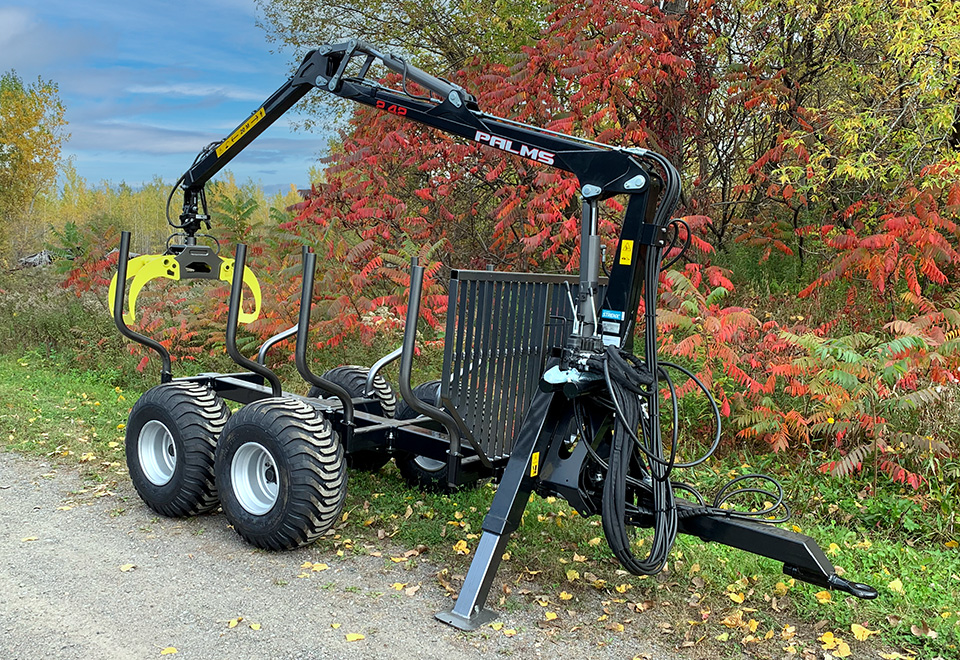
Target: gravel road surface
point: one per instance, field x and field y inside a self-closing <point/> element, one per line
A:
<point x="88" y="571"/>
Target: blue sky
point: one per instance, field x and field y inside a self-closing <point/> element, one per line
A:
<point x="148" y="83"/>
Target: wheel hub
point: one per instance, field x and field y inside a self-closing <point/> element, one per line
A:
<point x="157" y="452"/>
<point x="255" y="480"/>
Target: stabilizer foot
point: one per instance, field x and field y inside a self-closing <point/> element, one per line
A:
<point x="467" y="623"/>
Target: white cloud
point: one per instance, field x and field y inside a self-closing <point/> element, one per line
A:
<point x="13" y="22"/>
<point x="35" y="46"/>
<point x="198" y="90"/>
<point x="144" y="138"/>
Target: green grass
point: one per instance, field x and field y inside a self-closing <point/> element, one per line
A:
<point x="553" y="540"/>
<point x="50" y="408"/>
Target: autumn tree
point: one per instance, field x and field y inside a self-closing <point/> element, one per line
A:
<point x="31" y="133"/>
<point x="860" y="100"/>
<point x="393" y="188"/>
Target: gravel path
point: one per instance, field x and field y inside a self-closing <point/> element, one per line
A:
<point x="64" y="594"/>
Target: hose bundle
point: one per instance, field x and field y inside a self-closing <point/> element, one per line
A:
<point x="628" y="501"/>
<point x="625" y="379"/>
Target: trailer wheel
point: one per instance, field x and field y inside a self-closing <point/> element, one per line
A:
<point x="421" y="472"/>
<point x="281" y="473"/>
<point x="354" y="380"/>
<point x="170" y="439"/>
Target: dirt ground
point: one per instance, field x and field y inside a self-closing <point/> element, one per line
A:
<point x="88" y="571"/>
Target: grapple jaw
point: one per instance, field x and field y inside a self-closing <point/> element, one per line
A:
<point x="182" y="262"/>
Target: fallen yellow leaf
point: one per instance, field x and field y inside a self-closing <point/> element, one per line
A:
<point x="460" y="547"/>
<point x="233" y="622"/>
<point x="319" y="567"/>
<point x="354" y="637"/>
<point x="829" y="641"/>
<point x="126" y="568"/>
<point x="28" y="538"/>
<point x="823" y="596"/>
<point x="594" y="541"/>
<point x="509" y="632"/>
<point x="334" y="625"/>
<point x="573" y="575"/>
<point x="399" y="585"/>
<point x="842" y="650"/>
<point x="734" y="620"/>
<point x="736" y="597"/>
<point x="861" y="633"/>
<point x="833" y="549"/>
<point x="565" y="596"/>
<point x="497" y="625"/>
<point x="170" y="650"/>
<point x="952" y="544"/>
<point x="550" y="616"/>
<point x="255" y="626"/>
<point x="895" y="586"/>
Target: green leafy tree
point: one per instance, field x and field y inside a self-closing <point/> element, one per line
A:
<point x="235" y="209"/>
<point x="441" y="36"/>
<point x="31" y="134"/>
<point x="446" y="32"/>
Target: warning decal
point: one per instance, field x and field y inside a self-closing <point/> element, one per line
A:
<point x="241" y="131"/>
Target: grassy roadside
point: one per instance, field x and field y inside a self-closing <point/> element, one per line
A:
<point x="53" y="410"/>
<point x="713" y="600"/>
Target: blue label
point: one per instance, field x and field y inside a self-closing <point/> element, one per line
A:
<point x="612" y="314"/>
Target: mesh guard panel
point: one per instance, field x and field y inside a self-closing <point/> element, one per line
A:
<point x="500" y="330"/>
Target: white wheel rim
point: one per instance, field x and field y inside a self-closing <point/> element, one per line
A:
<point x="256" y="482"/>
<point x="157" y="452"/>
<point x="429" y="464"/>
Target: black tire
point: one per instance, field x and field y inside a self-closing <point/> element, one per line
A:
<point x="171" y="437"/>
<point x="420" y="472"/>
<point x="281" y="473"/>
<point x="354" y="380"/>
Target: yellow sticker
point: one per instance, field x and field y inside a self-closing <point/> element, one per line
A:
<point x="626" y="252"/>
<point x="241" y="131"/>
<point x="535" y="464"/>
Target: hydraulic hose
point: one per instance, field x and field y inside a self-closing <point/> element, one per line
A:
<point x="637" y="472"/>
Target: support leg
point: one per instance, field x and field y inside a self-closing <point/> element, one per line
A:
<point x="519" y="479"/>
